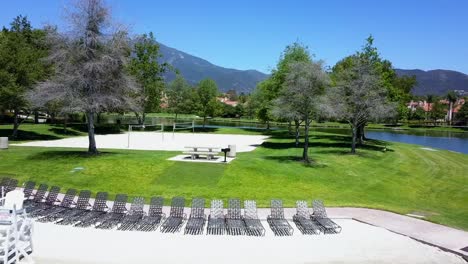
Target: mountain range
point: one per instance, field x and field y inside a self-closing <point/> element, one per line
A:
<point x="194" y="69"/>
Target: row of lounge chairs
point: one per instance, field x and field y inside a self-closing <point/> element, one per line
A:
<point x="45" y="207"/>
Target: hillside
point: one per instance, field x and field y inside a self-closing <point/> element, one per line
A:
<point x="437" y="82"/>
<point x="195" y="69"/>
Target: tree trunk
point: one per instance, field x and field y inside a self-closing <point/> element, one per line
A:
<point x="450" y="113"/>
<point x="36" y="117"/>
<point x="353" y="143"/>
<point x="289" y="127"/>
<point x="305" y="152"/>
<point x="65" y="122"/>
<point x="92" y="141"/>
<point x="268" y="124"/>
<point x="204" y="121"/>
<point x="297" y="132"/>
<point x="137" y="115"/>
<point x="98" y="117"/>
<point x="16" y="124"/>
<point x="360" y="135"/>
<point x="176" y="117"/>
<point x="143" y="118"/>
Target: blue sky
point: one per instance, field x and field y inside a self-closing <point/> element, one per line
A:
<point x="242" y="34"/>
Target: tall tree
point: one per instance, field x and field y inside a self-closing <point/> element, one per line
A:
<point x="179" y="96"/>
<point x="268" y="90"/>
<point x="452" y="98"/>
<point x="300" y="96"/>
<point x="207" y="92"/>
<point x="358" y="97"/>
<point x="146" y="69"/>
<point x="21" y="51"/>
<point x="90" y="63"/>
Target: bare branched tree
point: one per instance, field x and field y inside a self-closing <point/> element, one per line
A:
<point x="358" y="97"/>
<point x="89" y="63"/>
<point x="300" y="97"/>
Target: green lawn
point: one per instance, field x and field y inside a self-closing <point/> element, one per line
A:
<point x="403" y="179"/>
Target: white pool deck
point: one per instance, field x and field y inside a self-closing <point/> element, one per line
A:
<point x="357" y="243"/>
<point x="156" y="141"/>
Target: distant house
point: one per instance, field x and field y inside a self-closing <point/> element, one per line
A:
<point x="428" y="106"/>
<point x="226" y="100"/>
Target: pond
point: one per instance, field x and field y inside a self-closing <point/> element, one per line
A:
<point x="454" y="141"/>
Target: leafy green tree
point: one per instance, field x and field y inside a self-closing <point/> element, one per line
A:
<point x="180" y="96"/>
<point x="438" y="111"/>
<point x="268" y="90"/>
<point x="300" y="96"/>
<point x="358" y="97"/>
<point x="418" y="114"/>
<point x="208" y="104"/>
<point x="146" y="69"/>
<point x="462" y="115"/>
<point x="22" y="49"/>
<point x="239" y="110"/>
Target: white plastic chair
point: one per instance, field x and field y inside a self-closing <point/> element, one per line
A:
<point x="12" y="199"/>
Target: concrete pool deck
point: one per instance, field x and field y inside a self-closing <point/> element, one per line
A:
<point x="368" y="236"/>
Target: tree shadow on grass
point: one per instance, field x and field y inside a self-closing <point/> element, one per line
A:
<point x="64" y="132"/>
<point x="297" y="159"/>
<point x="67" y="154"/>
<point x="26" y="135"/>
<point x="99" y="129"/>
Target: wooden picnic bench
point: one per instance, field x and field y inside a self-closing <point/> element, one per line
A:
<point x="196" y="151"/>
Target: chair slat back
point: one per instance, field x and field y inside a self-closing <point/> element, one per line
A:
<point x="40" y="193"/>
<point x="250" y="209"/>
<point x="319" y="209"/>
<point x="28" y="188"/>
<point x="83" y="200"/>
<point x="177" y="207"/>
<point x="68" y="199"/>
<point x="302" y="210"/>
<point x="11" y="186"/>
<point x="217" y="209"/>
<point x="120" y="204"/>
<point x="277" y="210"/>
<point x="100" y="203"/>
<point x="52" y="195"/>
<point x="137" y="206"/>
<point x="234" y="209"/>
<point x="156" y="205"/>
<point x="198" y="208"/>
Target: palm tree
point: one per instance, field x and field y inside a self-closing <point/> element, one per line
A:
<point x="451" y="98"/>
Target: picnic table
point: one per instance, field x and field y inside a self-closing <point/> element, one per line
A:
<point x="197" y="151"/>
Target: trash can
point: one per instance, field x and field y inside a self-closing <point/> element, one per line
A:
<point x="3" y="143"/>
<point x="232" y="151"/>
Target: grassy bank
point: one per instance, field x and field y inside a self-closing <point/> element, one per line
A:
<point x="403" y="179"/>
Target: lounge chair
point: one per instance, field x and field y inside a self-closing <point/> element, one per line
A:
<point x="65" y="204"/>
<point x="113" y="218"/>
<point x="320" y="216"/>
<point x="303" y="220"/>
<point x="176" y="217"/>
<point x="216" y="222"/>
<point x="28" y="189"/>
<point x="253" y="226"/>
<point x="98" y="210"/>
<point x="82" y="206"/>
<point x="155" y="216"/>
<point x="278" y="224"/>
<point x="234" y="223"/>
<point x="50" y="201"/>
<point x="10" y="186"/>
<point x="135" y="214"/>
<point x="37" y="197"/>
<point x="197" y="219"/>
